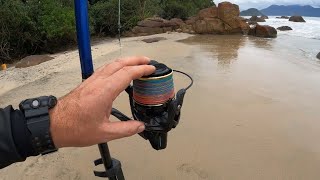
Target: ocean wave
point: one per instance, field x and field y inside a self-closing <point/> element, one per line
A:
<point x="310" y="29"/>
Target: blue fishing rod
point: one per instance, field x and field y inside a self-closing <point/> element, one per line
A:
<point x="113" y="169"/>
<point x="152" y="98"/>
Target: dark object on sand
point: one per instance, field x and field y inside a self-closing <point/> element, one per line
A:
<point x="318" y="56"/>
<point x="296" y="19"/>
<point x="263" y="31"/>
<point x="33" y="60"/>
<point x="152" y="40"/>
<point x="284" y="28"/>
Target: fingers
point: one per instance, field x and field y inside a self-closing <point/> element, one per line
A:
<point x="121" y="79"/>
<point x="115" y="66"/>
<point x="117" y="130"/>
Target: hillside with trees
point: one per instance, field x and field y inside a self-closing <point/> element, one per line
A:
<point x="251" y="12"/>
<point x="46" y="26"/>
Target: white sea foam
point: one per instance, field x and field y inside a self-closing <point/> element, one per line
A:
<point x="310" y="29"/>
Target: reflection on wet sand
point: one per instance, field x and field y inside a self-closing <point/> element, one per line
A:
<point x="263" y="43"/>
<point x="224" y="48"/>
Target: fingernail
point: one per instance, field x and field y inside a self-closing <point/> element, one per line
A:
<point x="141" y="128"/>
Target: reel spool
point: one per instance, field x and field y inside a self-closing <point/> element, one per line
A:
<point x="154" y="102"/>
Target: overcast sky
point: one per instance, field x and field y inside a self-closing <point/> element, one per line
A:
<point x="260" y="4"/>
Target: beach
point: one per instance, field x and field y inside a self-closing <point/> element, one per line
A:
<point x="252" y="113"/>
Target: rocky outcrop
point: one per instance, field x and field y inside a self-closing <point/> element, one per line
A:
<point x="154" y="25"/>
<point x="263" y="31"/>
<point x="318" y="56"/>
<point x="283" y="17"/>
<point x="191" y="20"/>
<point x="296" y="19"/>
<point x="264" y="17"/>
<point x="33" y="60"/>
<point x="257" y="19"/>
<point x="223" y="19"/>
<point x="284" y="28"/>
<point x="211" y="12"/>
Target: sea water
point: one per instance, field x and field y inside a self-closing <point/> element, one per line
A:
<point x="303" y="40"/>
<point x="310" y="29"/>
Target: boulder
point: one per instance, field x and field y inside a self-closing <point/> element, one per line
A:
<point x="152" y="23"/>
<point x="244" y="27"/>
<point x="152" y="40"/>
<point x="200" y="27"/>
<point x="214" y="26"/>
<point x="228" y="13"/>
<point x="296" y="19"/>
<point x="177" y="21"/>
<point x="257" y="19"/>
<point x="186" y="28"/>
<point x="191" y="20"/>
<point x="284" y="28"/>
<point x="33" y="60"/>
<point x="263" y="31"/>
<point x="252" y="22"/>
<point x="264" y="17"/>
<point x="211" y="12"/>
<point x="318" y="56"/>
<point x="167" y="29"/>
<point x="147" y="30"/>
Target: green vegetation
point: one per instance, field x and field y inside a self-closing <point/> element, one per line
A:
<point x="37" y="26"/>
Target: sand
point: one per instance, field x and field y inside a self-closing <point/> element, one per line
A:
<point x="252" y="113"/>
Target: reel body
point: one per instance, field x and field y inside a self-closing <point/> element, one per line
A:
<point x="158" y="120"/>
<point x="153" y="101"/>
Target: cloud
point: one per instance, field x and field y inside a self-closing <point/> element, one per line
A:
<point x="260" y="4"/>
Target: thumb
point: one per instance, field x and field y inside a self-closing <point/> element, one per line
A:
<point x="117" y="130"/>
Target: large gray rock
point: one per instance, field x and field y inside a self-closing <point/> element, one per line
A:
<point x="33" y="60"/>
<point x="284" y="28"/>
<point x="296" y="19"/>
<point x="318" y="56"/>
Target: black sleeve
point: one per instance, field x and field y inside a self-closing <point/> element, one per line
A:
<point x="15" y="138"/>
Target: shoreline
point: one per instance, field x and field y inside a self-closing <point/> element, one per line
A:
<point x="252" y="113"/>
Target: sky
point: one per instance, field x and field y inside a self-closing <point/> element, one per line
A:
<point x="261" y="4"/>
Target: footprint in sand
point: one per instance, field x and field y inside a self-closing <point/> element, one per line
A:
<point x="189" y="169"/>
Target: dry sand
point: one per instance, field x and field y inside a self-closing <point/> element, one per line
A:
<point x="252" y="114"/>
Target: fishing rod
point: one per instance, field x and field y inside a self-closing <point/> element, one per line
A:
<point x="152" y="98"/>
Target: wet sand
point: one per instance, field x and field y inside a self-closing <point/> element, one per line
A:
<point x="252" y="113"/>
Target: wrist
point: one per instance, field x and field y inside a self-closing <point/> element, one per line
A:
<point x="54" y="126"/>
<point x="62" y="117"/>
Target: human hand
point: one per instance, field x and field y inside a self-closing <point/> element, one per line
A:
<point x="81" y="118"/>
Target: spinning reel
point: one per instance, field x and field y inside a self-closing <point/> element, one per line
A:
<point x="153" y="101"/>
